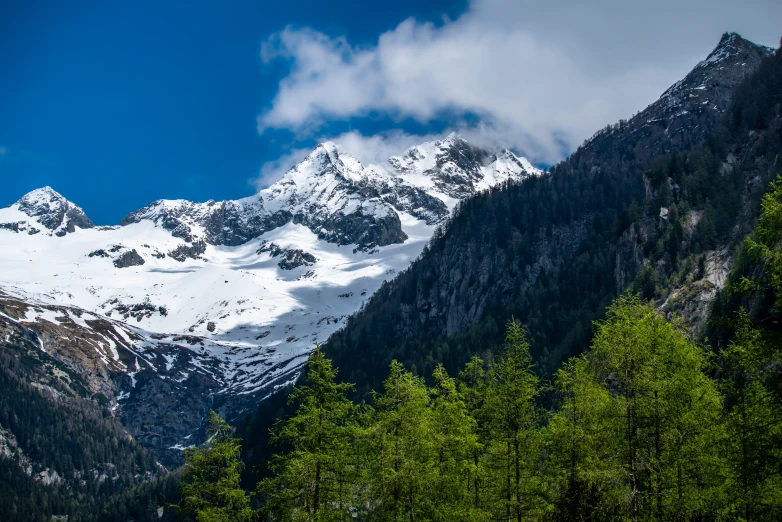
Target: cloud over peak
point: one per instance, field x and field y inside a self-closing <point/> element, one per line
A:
<point x="540" y="78"/>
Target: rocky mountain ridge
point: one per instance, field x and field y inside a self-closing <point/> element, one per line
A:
<point x="189" y="306"/>
<point x="553" y="252"/>
<point x="343" y="201"/>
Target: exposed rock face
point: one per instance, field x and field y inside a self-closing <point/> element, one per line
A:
<point x="292" y="258"/>
<point x="193" y="251"/>
<point x="128" y="259"/>
<point x="296" y="258"/>
<point x="160" y="389"/>
<point x="343" y="201"/>
<point x="48" y="208"/>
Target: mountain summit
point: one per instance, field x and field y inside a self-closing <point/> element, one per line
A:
<point x="44" y="207"/>
<point x="686" y="112"/>
<point x="344" y="201"/>
<point x="215" y="304"/>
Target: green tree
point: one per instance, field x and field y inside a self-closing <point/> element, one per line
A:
<point x="472" y="384"/>
<point x="585" y="462"/>
<point x="754" y="425"/>
<point x="401" y="467"/>
<point x="514" y="434"/>
<point x="314" y="477"/>
<point x="210" y="489"/>
<point x="666" y="412"/>
<point x="455" y="445"/>
<point x="765" y="248"/>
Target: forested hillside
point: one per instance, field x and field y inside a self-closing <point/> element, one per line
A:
<point x="626" y="209"/>
<point x="635" y="207"/>
<point x="647" y="424"/>
<point x="63" y="452"/>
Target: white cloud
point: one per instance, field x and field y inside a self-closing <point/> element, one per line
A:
<point x="538" y="75"/>
<point x="272" y="171"/>
<point x="379" y="147"/>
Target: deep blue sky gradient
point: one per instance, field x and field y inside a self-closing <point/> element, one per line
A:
<point x="116" y="104"/>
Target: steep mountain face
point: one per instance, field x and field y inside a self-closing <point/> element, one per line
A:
<point x="139" y="376"/>
<point x="190" y="306"/>
<point x="687" y="111"/>
<point x="547" y="251"/>
<point x="61" y="448"/>
<point x="344" y="202"/>
<point x="47" y="209"/>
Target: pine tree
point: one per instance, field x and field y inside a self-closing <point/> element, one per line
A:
<point x="666" y="412"/>
<point x="455" y="444"/>
<point x="765" y="248"/>
<point x="315" y="478"/>
<point x="754" y="425"/>
<point x="512" y="459"/>
<point x="403" y="457"/>
<point x="472" y="384"/>
<point x="585" y="463"/>
<point x="210" y="489"/>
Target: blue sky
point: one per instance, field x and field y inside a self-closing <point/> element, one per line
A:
<point x="116" y="104"/>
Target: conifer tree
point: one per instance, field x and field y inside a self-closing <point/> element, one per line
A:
<point x="315" y="478"/>
<point x="472" y="384"/>
<point x="584" y="461"/>
<point x="666" y="412"/>
<point x="754" y="425"/>
<point x="455" y="444"/>
<point x="210" y="489"/>
<point x="402" y="467"/>
<point x="514" y="432"/>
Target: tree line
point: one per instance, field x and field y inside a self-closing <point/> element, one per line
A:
<point x="645" y="425"/>
<point x="641" y="431"/>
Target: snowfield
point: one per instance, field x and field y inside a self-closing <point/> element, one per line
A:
<point x="259" y="306"/>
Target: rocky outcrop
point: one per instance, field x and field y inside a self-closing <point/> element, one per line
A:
<point x="53" y="211"/>
<point x="193" y="251"/>
<point x="291" y="258"/>
<point x="129" y="258"/>
<point x="296" y="258"/>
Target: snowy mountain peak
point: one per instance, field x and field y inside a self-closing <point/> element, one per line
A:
<point x="454" y="169"/>
<point x="344" y="201"/>
<point x="452" y="139"/>
<point x="731" y="45"/>
<point x="43" y="194"/>
<point x="47" y="207"/>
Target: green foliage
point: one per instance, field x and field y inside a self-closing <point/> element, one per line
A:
<point x="210" y="489"/>
<point x="513" y="431"/>
<point x="401" y="466"/>
<point x="457" y="450"/>
<point x="313" y="479"/>
<point x="666" y="412"/>
<point x="754" y="424"/>
<point x="765" y="248"/>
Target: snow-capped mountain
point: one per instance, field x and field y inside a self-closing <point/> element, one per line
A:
<point x="44" y="209"/>
<point x="343" y="201"/>
<point x="233" y="293"/>
<point x="452" y="169"/>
